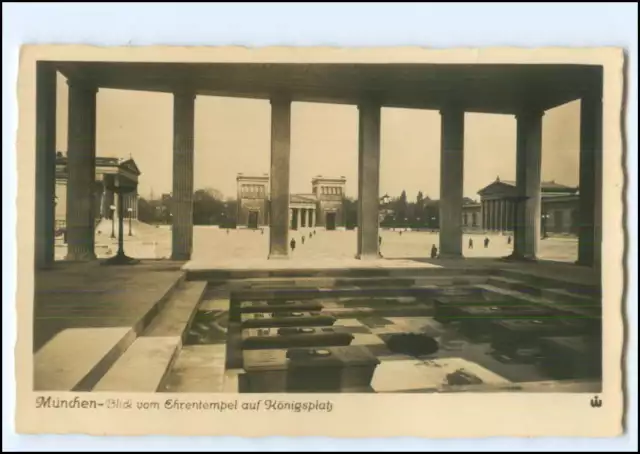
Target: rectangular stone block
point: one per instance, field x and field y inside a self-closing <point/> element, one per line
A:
<point x="509" y="335"/>
<point x="309" y="369"/>
<point x="572" y="356"/>
<point x="477" y="319"/>
<point x="286" y="337"/>
<point x="445" y="306"/>
<point x="292" y="319"/>
<point x="249" y="307"/>
<point x="265" y="371"/>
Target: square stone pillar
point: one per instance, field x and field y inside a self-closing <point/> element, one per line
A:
<point x="44" y="241"/>
<point x="590" y="195"/>
<point x="280" y="167"/>
<point x="182" y="195"/>
<point x="81" y="164"/>
<point x="451" y="181"/>
<point x="528" y="185"/>
<point x="368" y="179"/>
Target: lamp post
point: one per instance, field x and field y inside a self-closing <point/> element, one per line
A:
<point x="130" y="210"/>
<point x="113" y="221"/>
<point x="545" y="216"/>
<point x="121" y="187"/>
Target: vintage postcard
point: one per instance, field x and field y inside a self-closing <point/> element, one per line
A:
<point x="320" y="241"/>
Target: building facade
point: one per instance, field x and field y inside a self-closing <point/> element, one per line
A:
<point x="104" y="200"/>
<point x="498" y="202"/>
<point x="323" y="207"/>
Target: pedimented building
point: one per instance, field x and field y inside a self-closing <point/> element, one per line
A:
<point x="322" y="207"/>
<point x="496" y="211"/>
<point x="104" y="203"/>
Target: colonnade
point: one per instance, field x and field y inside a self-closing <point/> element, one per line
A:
<point x="523" y="212"/>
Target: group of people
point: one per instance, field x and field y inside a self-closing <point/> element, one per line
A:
<point x="292" y="243"/>
<point x="486" y="242"/>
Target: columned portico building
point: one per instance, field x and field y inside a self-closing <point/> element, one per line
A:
<point x="524" y="91"/>
<point x="104" y="201"/>
<point x="499" y="202"/>
<point x="323" y="207"/>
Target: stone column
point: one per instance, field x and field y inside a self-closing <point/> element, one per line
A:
<point x="485" y="215"/>
<point x="494" y="212"/>
<point x="182" y="196"/>
<point x="503" y="215"/>
<point x="280" y="165"/>
<point x="590" y="195"/>
<point x="528" y="172"/>
<point x="368" y="179"/>
<point x="482" y="211"/>
<point x="44" y="239"/>
<point x="451" y="182"/>
<point x="81" y="163"/>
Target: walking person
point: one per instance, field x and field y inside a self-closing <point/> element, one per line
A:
<point x="292" y="243"/>
<point x="470" y="243"/>
<point x="486" y="242"/>
<point x="434" y="251"/>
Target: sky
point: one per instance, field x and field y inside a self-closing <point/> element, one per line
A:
<point x="233" y="136"/>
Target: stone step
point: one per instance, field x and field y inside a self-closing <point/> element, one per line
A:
<point x="200" y="369"/>
<point x="233" y="274"/>
<point x="589" y="289"/>
<point x="247" y="285"/>
<point x="143" y="367"/>
<point x="420" y="291"/>
<point x="77" y="358"/>
<point x="178" y="313"/>
<point x="585" y="311"/>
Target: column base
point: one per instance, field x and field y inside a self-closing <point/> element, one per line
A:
<point x="81" y="257"/>
<point x="586" y="263"/>
<point x="368" y="256"/>
<point x="519" y="258"/>
<point x="450" y="256"/>
<point x="180" y="256"/>
<point x="275" y="256"/>
<point x="120" y="259"/>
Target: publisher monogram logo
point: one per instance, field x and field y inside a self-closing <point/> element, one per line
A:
<point x="596" y="402"/>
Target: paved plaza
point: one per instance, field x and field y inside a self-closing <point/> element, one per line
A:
<point x="149" y="242"/>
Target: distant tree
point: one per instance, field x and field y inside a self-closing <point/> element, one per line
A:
<point x="350" y="210"/>
<point x="401" y="208"/>
<point x="208" y="207"/>
<point x="146" y="211"/>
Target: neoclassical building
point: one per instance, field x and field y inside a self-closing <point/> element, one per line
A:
<point x="322" y="207"/>
<point x="498" y="200"/>
<point x="104" y="201"/>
